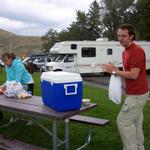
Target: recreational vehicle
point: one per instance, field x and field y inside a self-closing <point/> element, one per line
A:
<point x="87" y="56"/>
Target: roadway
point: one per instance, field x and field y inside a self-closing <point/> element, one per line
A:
<point x="101" y="81"/>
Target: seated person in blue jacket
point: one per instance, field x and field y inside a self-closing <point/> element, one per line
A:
<point x="16" y="71"/>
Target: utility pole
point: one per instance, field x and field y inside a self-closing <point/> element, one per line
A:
<point x="10" y="44"/>
<point x="0" y="50"/>
<point x="11" y="36"/>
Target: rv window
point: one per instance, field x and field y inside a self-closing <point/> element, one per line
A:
<point x="60" y="58"/>
<point x="73" y="46"/>
<point x="69" y="58"/>
<point x="109" y="51"/>
<point x="54" y="57"/>
<point x="88" y="51"/>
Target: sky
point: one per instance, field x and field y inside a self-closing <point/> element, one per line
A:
<point x="35" y="17"/>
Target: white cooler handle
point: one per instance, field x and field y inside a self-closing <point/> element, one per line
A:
<point x="71" y="93"/>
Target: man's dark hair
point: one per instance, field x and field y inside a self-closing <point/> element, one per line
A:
<point x="130" y="28"/>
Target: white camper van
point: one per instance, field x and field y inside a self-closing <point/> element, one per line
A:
<point x="87" y="56"/>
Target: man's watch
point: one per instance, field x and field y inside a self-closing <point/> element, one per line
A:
<point x="113" y="73"/>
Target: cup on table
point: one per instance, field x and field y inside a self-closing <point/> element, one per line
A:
<point x="86" y="101"/>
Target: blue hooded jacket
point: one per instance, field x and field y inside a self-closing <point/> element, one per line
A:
<point x="17" y="72"/>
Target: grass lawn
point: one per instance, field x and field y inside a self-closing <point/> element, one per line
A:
<point x="104" y="138"/>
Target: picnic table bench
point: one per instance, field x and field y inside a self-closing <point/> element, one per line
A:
<point x="90" y="121"/>
<point x="35" y="108"/>
<point x="7" y="143"/>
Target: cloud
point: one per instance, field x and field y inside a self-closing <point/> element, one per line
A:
<point x="20" y="27"/>
<point x="9" y="23"/>
<point x="39" y="14"/>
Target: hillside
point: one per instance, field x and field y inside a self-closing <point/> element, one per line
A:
<point x="21" y="45"/>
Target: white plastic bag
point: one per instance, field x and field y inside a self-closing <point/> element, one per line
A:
<point x="13" y="89"/>
<point x="115" y="90"/>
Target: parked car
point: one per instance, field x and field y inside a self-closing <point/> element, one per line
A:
<point x="35" y="62"/>
<point x="28" y="62"/>
<point x="24" y="61"/>
<point x="49" y="59"/>
<point x="41" y="61"/>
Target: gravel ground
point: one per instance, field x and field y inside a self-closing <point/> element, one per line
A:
<point x="102" y="81"/>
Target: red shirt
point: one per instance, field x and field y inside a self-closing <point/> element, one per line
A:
<point x="134" y="57"/>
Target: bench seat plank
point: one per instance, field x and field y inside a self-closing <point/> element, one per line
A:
<point x="89" y="120"/>
<point x="7" y="143"/>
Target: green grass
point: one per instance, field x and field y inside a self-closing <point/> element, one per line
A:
<point x="104" y="138"/>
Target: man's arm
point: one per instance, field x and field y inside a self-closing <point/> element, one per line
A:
<point x="133" y="74"/>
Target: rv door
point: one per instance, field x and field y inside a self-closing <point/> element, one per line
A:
<point x="69" y="63"/>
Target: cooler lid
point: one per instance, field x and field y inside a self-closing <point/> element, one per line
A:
<point x="60" y="77"/>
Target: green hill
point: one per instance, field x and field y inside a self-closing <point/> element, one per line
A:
<point x="21" y="45"/>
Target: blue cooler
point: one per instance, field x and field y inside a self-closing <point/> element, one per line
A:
<point x="62" y="91"/>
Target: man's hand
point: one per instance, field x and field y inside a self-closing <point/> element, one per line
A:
<point x="109" y="68"/>
<point x="132" y="74"/>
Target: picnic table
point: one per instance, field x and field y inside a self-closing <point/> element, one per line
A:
<point x="35" y="108"/>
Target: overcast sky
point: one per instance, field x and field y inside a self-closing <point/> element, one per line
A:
<point x="35" y="17"/>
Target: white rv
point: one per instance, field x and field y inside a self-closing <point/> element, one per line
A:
<point x="87" y="56"/>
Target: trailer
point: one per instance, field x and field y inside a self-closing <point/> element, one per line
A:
<point x="88" y="56"/>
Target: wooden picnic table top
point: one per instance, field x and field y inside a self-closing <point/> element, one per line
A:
<point x="35" y="107"/>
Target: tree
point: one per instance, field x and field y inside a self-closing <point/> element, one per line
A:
<point x="49" y="39"/>
<point x="94" y="23"/>
<point x="86" y="27"/>
<point x="102" y="20"/>
<point x="143" y="15"/>
<point x="117" y="12"/>
<point x="64" y="35"/>
<point x="77" y="29"/>
<point x="82" y="25"/>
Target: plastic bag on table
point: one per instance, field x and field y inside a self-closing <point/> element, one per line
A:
<point x="13" y="89"/>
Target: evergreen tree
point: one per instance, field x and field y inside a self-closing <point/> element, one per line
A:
<point x="94" y="23"/>
<point x="117" y="12"/>
<point x="86" y="27"/>
<point x="77" y="30"/>
<point x="143" y="21"/>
